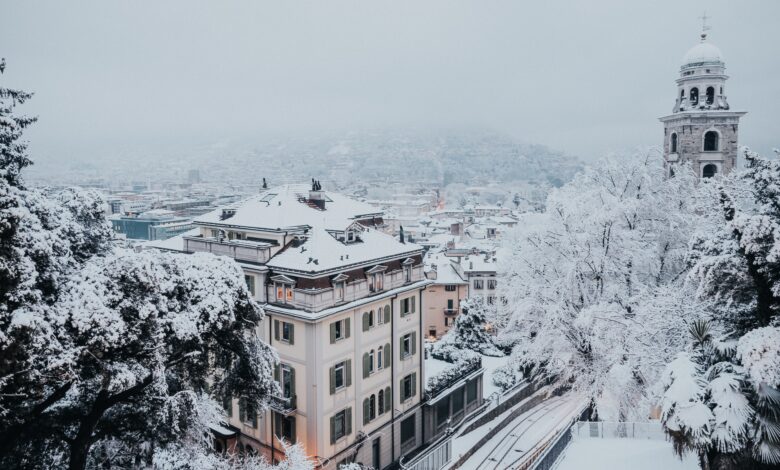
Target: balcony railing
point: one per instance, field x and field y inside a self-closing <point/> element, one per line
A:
<point x="451" y="312"/>
<point x="285" y="406"/>
<point x="242" y="250"/>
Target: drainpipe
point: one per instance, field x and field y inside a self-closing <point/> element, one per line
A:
<point x="393" y="345"/>
<point x="422" y="367"/>
<point x="270" y="343"/>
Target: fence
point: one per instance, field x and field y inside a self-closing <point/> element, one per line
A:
<point x="434" y="459"/>
<point x="624" y="430"/>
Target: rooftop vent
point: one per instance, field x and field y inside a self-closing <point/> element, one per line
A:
<point x="227" y="213"/>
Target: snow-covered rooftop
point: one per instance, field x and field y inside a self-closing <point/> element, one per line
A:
<point x="282" y="208"/>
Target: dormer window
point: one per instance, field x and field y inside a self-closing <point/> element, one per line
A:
<point x="339" y="287"/>
<point x="350" y="236"/>
<point x="284" y="288"/>
<point x="376" y="278"/>
<point x="407" y="268"/>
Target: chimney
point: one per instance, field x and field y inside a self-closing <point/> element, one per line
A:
<point x="317" y="195"/>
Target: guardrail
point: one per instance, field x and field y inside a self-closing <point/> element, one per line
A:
<point x="620" y="430"/>
<point x="545" y="456"/>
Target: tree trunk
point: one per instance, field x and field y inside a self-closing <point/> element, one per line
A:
<point x="81" y="444"/>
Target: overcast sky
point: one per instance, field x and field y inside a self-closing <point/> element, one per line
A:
<point x="585" y="77"/>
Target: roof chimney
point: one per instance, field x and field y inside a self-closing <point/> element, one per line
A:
<point x="317" y="195"/>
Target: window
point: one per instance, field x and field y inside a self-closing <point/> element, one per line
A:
<point x="371" y="319"/>
<point x="450" y="288"/>
<point x="227" y="403"/>
<point x="339" y="288"/>
<point x="407" y="430"/>
<point x="339" y="380"/>
<point x="709" y="171"/>
<point x="408" y="305"/>
<point x="372" y="407"/>
<point x="287" y="381"/>
<point x="289" y="291"/>
<point x="339" y="330"/>
<point x="381" y="400"/>
<point x="408" y="345"/>
<point x="682" y="94"/>
<point x="479" y="284"/>
<point x="247" y="412"/>
<point x="432" y="332"/>
<point x="491" y="284"/>
<point x="371" y="362"/>
<point x="284" y="331"/>
<point x="407" y="273"/>
<point x="376" y="282"/>
<point x="471" y="391"/>
<point x="442" y="411"/>
<point x="710" y="95"/>
<point x="379" y="357"/>
<point x="446" y="321"/>
<point x="491" y="299"/>
<point x="250" y="283"/>
<point x="711" y="141"/>
<point x="450" y="304"/>
<point x="340" y="425"/>
<point x="457" y="401"/>
<point x="284" y="427"/>
<point x="694" y="96"/>
<point x="340" y="375"/>
<point x="408" y="386"/>
<point x="673" y="144"/>
<point x="284" y="293"/>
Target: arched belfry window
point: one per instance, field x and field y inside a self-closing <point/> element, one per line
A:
<point x="709" y="171"/>
<point x="710" y="95"/>
<point x="682" y="94"/>
<point x="673" y="143"/>
<point x="711" y="141"/>
<point x="694" y="96"/>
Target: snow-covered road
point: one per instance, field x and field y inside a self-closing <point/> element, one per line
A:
<point x="508" y="446"/>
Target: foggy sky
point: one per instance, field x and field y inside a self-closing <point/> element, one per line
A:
<point x="585" y="77"/>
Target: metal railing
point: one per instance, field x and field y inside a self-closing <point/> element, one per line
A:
<point x="435" y="459"/>
<point x="619" y="430"/>
<point x="284" y="405"/>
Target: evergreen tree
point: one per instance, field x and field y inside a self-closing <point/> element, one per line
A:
<point x="108" y="357"/>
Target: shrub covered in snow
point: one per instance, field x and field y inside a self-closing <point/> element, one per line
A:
<point x="460" y="368"/>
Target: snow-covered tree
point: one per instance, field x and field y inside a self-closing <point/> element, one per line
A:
<point x="592" y="285"/>
<point x="469" y="333"/>
<point x="108" y="356"/>
<point x="736" y="273"/>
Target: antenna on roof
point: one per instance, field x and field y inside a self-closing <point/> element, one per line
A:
<point x="265" y="184"/>
<point x="704" y="26"/>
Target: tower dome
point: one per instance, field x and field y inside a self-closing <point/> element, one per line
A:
<point x="703" y="52"/>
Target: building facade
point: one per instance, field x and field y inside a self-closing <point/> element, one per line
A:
<point x="702" y="129"/>
<point x="343" y="304"/>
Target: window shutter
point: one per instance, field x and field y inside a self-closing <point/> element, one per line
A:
<point x="401" y="388"/>
<point x="414" y="342"/>
<point x="332" y="380"/>
<point x="348" y="372"/>
<point x="388" y="356"/>
<point x="332" y="332"/>
<point x="346" y="327"/>
<point x="400" y="348"/>
<point x="292" y="382"/>
<point x="292" y="334"/>
<point x="414" y="303"/>
<point x="349" y="420"/>
<point x="277" y="372"/>
<point x="366" y="365"/>
<point x="254" y="418"/>
<point x="332" y="429"/>
<point x="365" y="411"/>
<point x="365" y="321"/>
<point x="388" y="399"/>
<point x="276" y="330"/>
<point x="387" y="314"/>
<point x="414" y="384"/>
<point x="293" y="435"/>
<point x="241" y="409"/>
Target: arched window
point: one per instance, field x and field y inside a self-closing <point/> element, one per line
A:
<point x="682" y="94"/>
<point x="379" y="357"/>
<point x="381" y="402"/>
<point x="673" y="145"/>
<point x="710" y="95"/>
<point x="711" y="141"/>
<point x="694" y="96"/>
<point x="709" y="171"/>
<point x="372" y="407"/>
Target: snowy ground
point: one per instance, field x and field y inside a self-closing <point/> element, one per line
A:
<point x="623" y="454"/>
<point x="512" y="443"/>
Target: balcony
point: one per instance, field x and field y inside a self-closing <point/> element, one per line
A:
<point x="284" y="406"/>
<point x="451" y="312"/>
<point x="449" y="377"/>
<point x="240" y="250"/>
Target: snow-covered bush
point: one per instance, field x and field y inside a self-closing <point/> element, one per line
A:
<point x="593" y="286"/>
<point x="468" y="336"/>
<point x="456" y="371"/>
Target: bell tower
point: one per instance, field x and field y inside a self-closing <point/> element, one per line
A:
<point x="702" y="128"/>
